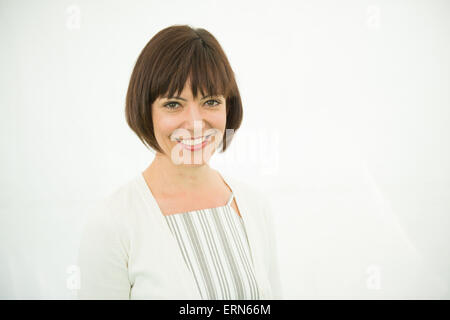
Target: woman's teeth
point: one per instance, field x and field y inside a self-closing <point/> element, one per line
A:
<point x="193" y="142"/>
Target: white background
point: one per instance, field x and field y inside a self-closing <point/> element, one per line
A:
<point x="346" y="126"/>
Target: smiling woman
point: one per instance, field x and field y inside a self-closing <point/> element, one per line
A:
<point x="188" y="126"/>
<point x="179" y="230"/>
<point x="174" y="57"/>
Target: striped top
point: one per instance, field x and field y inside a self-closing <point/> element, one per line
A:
<point x="215" y="248"/>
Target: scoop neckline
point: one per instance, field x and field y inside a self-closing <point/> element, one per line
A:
<point x="150" y="193"/>
<point x="198" y="211"/>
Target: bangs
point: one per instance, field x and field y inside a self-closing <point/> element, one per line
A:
<point x="198" y="64"/>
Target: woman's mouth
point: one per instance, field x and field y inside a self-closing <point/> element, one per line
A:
<point x="194" y="144"/>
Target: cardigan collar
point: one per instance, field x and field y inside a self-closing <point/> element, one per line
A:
<point x="248" y="208"/>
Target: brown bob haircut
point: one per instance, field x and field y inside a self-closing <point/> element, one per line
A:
<point x="174" y="55"/>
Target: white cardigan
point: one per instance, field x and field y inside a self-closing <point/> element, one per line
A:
<point x="127" y="250"/>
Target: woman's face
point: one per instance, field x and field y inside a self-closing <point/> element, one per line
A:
<point x="189" y="129"/>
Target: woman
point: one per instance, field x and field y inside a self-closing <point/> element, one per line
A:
<point x="179" y="229"/>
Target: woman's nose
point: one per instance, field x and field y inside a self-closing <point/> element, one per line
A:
<point x="195" y="118"/>
<point x="194" y="111"/>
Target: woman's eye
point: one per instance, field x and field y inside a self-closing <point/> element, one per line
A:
<point x="168" y="105"/>
<point x="174" y="105"/>
<point x="213" y="101"/>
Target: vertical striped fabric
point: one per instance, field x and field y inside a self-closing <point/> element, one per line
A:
<point x="215" y="248"/>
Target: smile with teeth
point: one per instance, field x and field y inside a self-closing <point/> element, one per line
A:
<point x="194" y="144"/>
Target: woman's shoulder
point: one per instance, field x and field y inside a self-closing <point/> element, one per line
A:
<point x="244" y="186"/>
<point x="117" y="204"/>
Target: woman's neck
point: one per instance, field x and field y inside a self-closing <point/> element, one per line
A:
<point x="174" y="179"/>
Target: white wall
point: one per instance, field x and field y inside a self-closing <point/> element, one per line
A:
<point x="347" y="108"/>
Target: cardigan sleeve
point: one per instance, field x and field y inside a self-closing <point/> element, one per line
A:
<point x="103" y="256"/>
<point x="273" y="267"/>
